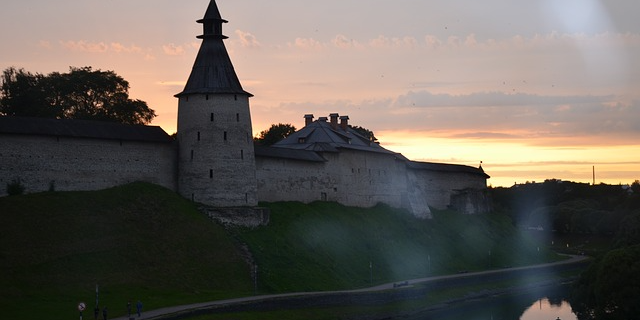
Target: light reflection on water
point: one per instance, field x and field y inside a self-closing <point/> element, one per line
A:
<point x="545" y="309"/>
<point x="545" y="305"/>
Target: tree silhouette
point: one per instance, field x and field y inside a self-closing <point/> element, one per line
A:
<point x="82" y="93"/>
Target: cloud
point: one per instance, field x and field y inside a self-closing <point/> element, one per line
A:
<point x="84" y="46"/>
<point x="558" y="120"/>
<point x="98" y="47"/>
<point x="173" y="50"/>
<point x="247" y="40"/>
<point x="344" y="42"/>
<point x="307" y="43"/>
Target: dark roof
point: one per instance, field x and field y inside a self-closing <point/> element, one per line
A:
<point x="284" y="153"/>
<point x="82" y="129"/>
<point x="212" y="72"/>
<point x="446" y="167"/>
<point x="320" y="136"/>
<point x="212" y="13"/>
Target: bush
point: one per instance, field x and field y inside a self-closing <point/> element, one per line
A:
<point x="15" y="187"/>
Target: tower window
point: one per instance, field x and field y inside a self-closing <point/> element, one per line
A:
<point x="198" y="135"/>
<point x="235" y="97"/>
<point x="206" y="97"/>
<point x="191" y="154"/>
<point x="225" y="136"/>
<point x="211" y="174"/>
<point x="211" y="116"/>
<point x="242" y="154"/>
<point x="237" y="117"/>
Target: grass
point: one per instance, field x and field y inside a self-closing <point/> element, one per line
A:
<point x="144" y="242"/>
<point x="138" y="241"/>
<point x="326" y="246"/>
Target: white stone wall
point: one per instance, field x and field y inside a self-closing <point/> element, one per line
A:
<point x="353" y="178"/>
<point x="70" y="164"/>
<point x="216" y="156"/>
<point x="438" y="186"/>
<point x="361" y="179"/>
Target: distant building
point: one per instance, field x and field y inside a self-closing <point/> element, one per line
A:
<point x="213" y="160"/>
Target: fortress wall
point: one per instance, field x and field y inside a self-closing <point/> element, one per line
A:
<point x="440" y="185"/>
<point x="293" y="180"/>
<point x="352" y="178"/>
<point x="368" y="178"/>
<point x="72" y="164"/>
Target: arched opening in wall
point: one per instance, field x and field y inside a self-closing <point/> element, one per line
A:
<point x="323" y="196"/>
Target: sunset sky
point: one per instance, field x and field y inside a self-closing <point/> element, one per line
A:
<point x="533" y="89"/>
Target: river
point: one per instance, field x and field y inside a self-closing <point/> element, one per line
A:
<point x="547" y="304"/>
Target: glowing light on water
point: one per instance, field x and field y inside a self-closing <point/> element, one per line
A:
<point x="544" y="309"/>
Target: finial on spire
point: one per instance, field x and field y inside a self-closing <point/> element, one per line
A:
<point x="212" y="22"/>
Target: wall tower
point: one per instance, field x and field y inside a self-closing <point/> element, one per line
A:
<point x="216" y="161"/>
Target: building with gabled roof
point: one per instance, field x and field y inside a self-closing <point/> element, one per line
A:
<point x="327" y="160"/>
<point x="213" y="160"/>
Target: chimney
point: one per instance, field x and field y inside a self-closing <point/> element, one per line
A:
<point x="344" y="122"/>
<point x="308" y="119"/>
<point x="322" y="119"/>
<point x="334" y="121"/>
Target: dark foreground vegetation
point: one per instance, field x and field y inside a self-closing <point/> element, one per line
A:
<point x="144" y="242"/>
<point x="600" y="220"/>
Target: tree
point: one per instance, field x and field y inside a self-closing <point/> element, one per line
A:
<point x="82" y="93"/>
<point x="274" y="134"/>
<point x="365" y="133"/>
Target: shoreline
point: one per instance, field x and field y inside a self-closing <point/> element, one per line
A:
<point x="380" y="295"/>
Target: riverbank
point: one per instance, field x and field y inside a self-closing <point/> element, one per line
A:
<point x="384" y="301"/>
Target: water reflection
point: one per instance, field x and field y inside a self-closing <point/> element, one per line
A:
<point x="548" y="304"/>
<point x="548" y="309"/>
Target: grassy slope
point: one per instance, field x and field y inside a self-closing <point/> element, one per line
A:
<point x="325" y="246"/>
<point x="144" y="242"/>
<point x="137" y="241"/>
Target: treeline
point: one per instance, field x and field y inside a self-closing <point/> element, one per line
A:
<point x="81" y="93"/>
<point x="610" y="287"/>
<point x="568" y="207"/>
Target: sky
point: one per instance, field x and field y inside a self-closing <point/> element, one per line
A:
<point x="533" y="90"/>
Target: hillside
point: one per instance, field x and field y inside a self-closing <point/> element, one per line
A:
<point x="141" y="241"/>
<point x="138" y="241"/>
<point x="325" y="246"/>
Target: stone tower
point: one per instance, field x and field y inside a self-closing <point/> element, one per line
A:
<point x="216" y="161"/>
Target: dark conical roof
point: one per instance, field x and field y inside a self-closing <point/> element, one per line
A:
<point x="212" y="71"/>
<point x="212" y="13"/>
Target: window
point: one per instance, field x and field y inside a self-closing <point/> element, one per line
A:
<point x="225" y="136"/>
<point x="237" y="117"/>
<point x="211" y="116"/>
<point x="235" y="97"/>
<point x="206" y="97"/>
<point x="211" y="174"/>
<point x="198" y="135"/>
<point x="241" y="154"/>
<point x="191" y="154"/>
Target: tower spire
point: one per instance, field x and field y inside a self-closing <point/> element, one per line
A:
<point x="213" y="72"/>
